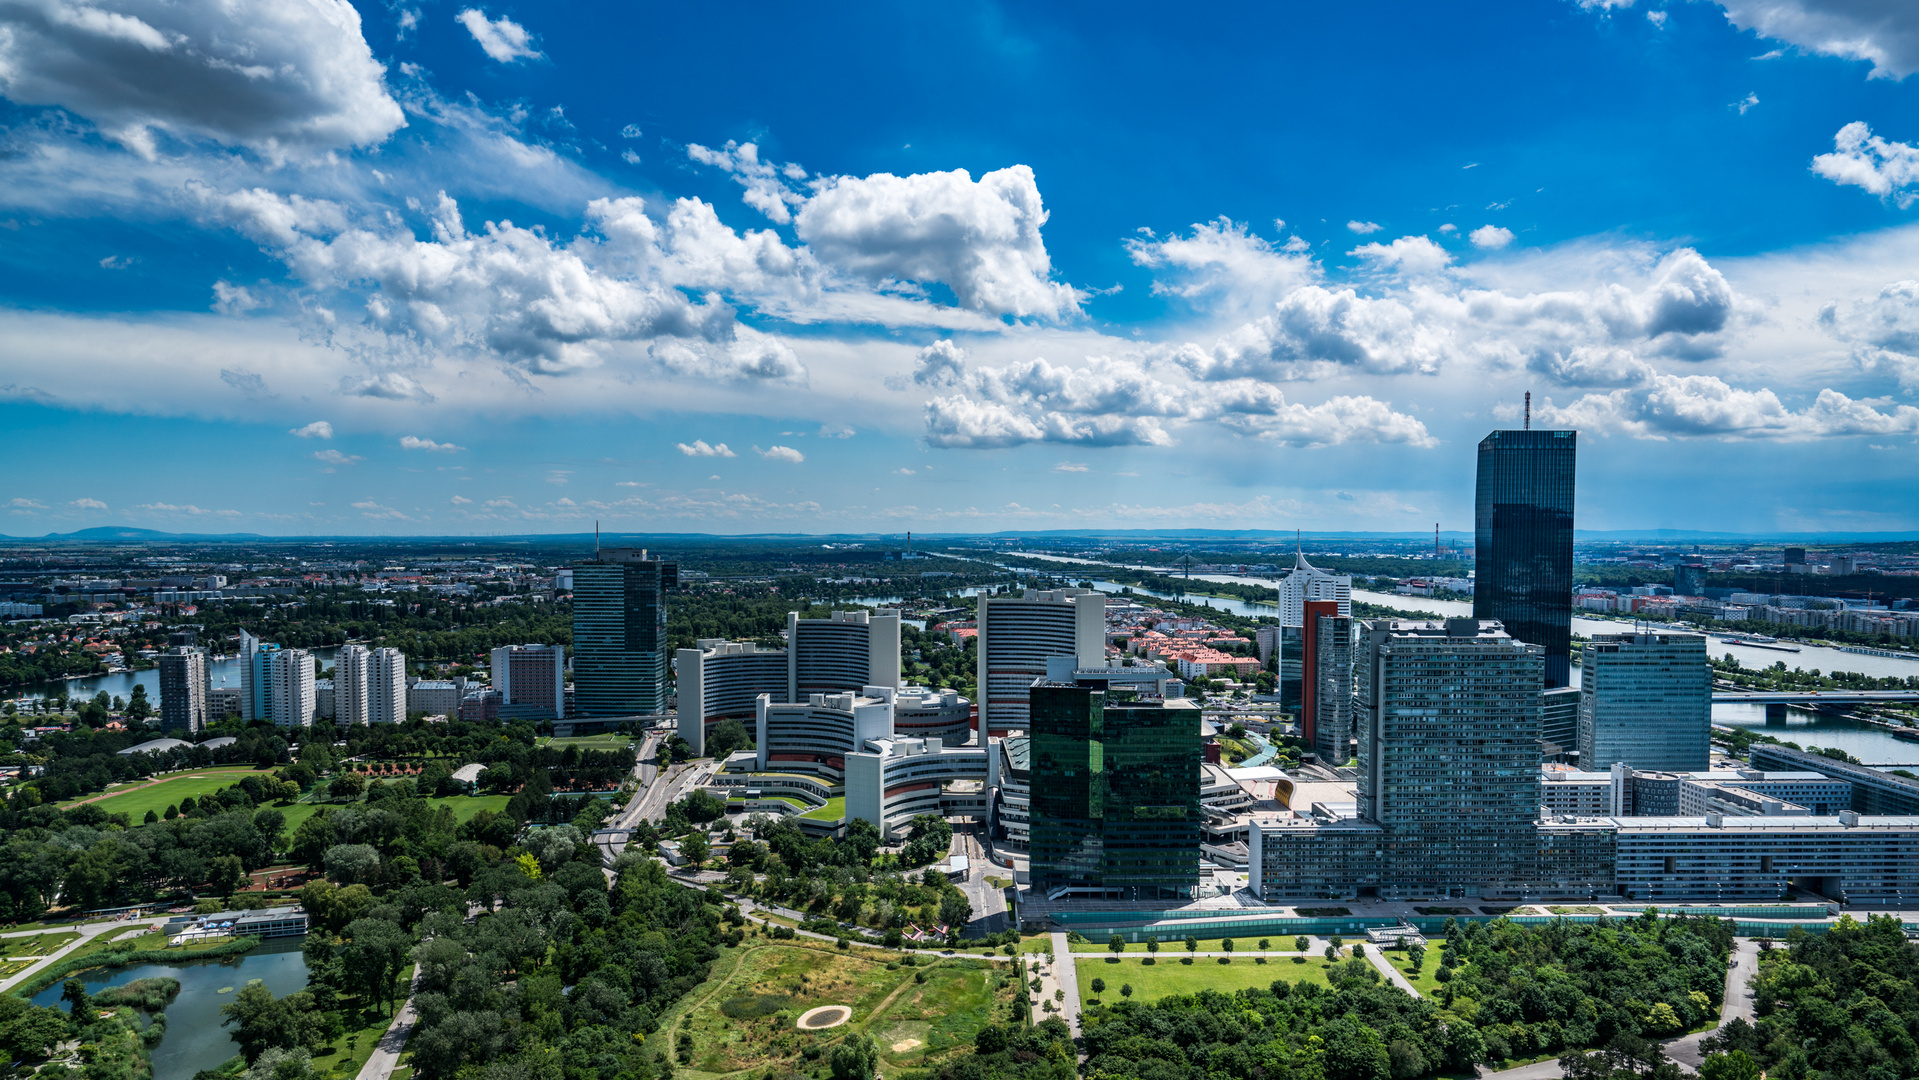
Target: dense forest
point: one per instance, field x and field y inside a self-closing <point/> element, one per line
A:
<point x="1842" y="1005"/>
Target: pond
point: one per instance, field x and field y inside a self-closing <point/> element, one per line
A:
<point x="194" y="1039"/>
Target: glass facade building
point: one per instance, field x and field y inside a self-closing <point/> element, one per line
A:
<point x="1645" y="700"/>
<point x="619" y="633"/>
<point x="1449" y="754"/>
<point x="1523" y="524"/>
<point x="1115" y="783"/>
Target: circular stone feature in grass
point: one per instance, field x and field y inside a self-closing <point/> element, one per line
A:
<point x="825" y="1016"/>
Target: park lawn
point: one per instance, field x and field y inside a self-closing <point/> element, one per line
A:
<point x="834" y="810"/>
<point x="344" y="1056"/>
<point x="1424" y="980"/>
<point x="38" y="944"/>
<point x="1037" y="943"/>
<point x="590" y="742"/>
<point x="465" y="806"/>
<point x="160" y="794"/>
<point x="1169" y="976"/>
<point x="1281" y="945"/>
<point x="744" y="1016"/>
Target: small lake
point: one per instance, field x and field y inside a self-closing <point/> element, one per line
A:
<point x="194" y="1039"/>
<point x="120" y="684"/>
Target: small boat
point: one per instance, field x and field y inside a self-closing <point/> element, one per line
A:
<point x="1760" y="642"/>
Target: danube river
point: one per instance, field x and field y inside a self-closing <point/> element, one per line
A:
<point x="1869" y="744"/>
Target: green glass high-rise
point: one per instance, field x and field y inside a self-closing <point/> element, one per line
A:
<point x="619" y="633"/>
<point x="1523" y="528"/>
<point x="1115" y="793"/>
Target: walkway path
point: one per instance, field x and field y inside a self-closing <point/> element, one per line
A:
<point x="1392" y="973"/>
<point x="1066" y="976"/>
<point x="87" y="933"/>
<point x="386" y="1056"/>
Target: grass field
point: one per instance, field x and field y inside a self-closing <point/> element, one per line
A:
<point x="1422" y="980"/>
<point x="465" y="806"/>
<point x="834" y="810"/>
<point x="344" y="1056"/>
<point x="160" y="794"/>
<point x="37" y="944"/>
<point x="743" y="1017"/>
<point x="590" y="742"/>
<point x="1280" y="943"/>
<point x="1151" y="982"/>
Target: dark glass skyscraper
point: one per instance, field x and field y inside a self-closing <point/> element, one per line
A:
<point x="1115" y="792"/>
<point x="1524" y="526"/>
<point x="619" y="633"/>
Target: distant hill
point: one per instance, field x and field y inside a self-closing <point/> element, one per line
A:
<point x="124" y="533"/>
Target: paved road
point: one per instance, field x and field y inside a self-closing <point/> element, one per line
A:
<point x="386" y="1056"/>
<point x="989" y="903"/>
<point x="1739" y="1003"/>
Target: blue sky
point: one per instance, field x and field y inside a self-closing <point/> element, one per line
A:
<point x="429" y="268"/>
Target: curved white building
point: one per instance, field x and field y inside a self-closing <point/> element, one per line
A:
<point x="720" y="680"/>
<point x="1017" y="634"/>
<point x="1309" y="582"/>
<point x="922" y="712"/>
<point x="847" y="651"/>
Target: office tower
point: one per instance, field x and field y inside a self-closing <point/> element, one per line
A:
<point x="183" y="688"/>
<point x="1523" y="521"/>
<point x="1017" y="633"/>
<point x="1326" y="687"/>
<point x="350" y="705"/>
<point x="845" y="651"/>
<point x="386" y="686"/>
<point x="619" y="633"/>
<point x="1689" y="579"/>
<point x="1559" y="720"/>
<point x="1308" y="582"/>
<point x="325" y="702"/>
<point x="1449" y="753"/>
<point x="533" y="678"/>
<point x="1645" y="700"/>
<point x="1114" y="798"/>
<point x="720" y="680"/>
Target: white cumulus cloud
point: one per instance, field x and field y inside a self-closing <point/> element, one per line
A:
<point x="1884" y="33"/>
<point x="335" y="457"/>
<point x="1490" y="237"/>
<point x="981" y="239"/>
<point x="413" y="442"/>
<point x="87" y="504"/>
<point x="781" y="453"/>
<point x="1887" y="169"/>
<point x="1364" y="228"/>
<point x="700" y="448"/>
<point x="319" y="429"/>
<point x="502" y="39"/>
<point x="1410" y="255"/>
<point x="283" y="79"/>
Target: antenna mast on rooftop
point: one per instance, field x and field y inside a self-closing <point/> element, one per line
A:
<point x="1529" y="410"/>
<point x="596" y="539"/>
